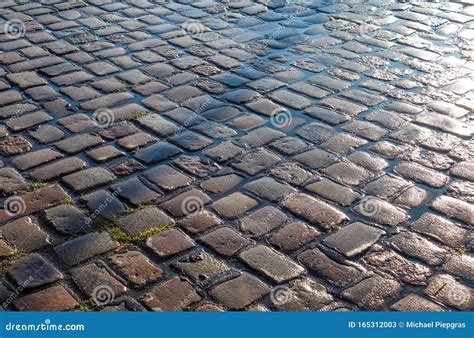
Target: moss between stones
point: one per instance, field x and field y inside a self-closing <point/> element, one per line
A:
<point x="87" y="305"/>
<point x="117" y="234"/>
<point x="69" y="201"/>
<point x="139" y="207"/>
<point x="103" y="224"/>
<point x="138" y="116"/>
<point x="461" y="250"/>
<point x="5" y="264"/>
<point x="38" y="185"/>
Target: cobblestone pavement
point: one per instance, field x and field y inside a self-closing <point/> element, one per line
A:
<point x="208" y="156"/>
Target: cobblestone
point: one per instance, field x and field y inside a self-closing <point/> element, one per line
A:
<point x="372" y="293"/>
<point x="25" y="235"/>
<point x="323" y="215"/>
<point x="240" y="292"/>
<point x="293" y="235"/>
<point x="234" y="205"/>
<point x="55" y="298"/>
<point x="136" y="268"/>
<point x="89" y="278"/>
<point x="33" y="270"/>
<point x="440" y="229"/>
<point x="336" y="273"/>
<point x="203" y="268"/>
<point x="445" y="289"/>
<point x="143" y="219"/>
<point x="169" y="243"/>
<point x="399" y="267"/>
<point x="173" y="295"/>
<point x="279" y="138"/>
<point x="305" y="295"/>
<point x="271" y="264"/>
<point x="353" y="239"/>
<point x="82" y="248"/>
<point x="416" y="246"/>
<point x="89" y="179"/>
<point x="415" y="303"/>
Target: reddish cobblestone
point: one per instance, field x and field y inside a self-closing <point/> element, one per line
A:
<point x="55" y="298"/>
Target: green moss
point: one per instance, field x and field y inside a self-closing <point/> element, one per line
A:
<point x="138" y="116"/>
<point x="461" y="249"/>
<point x="150" y="232"/>
<point x="100" y="223"/>
<point x="5" y="263"/>
<point x="87" y="305"/>
<point x="38" y="185"/>
<point x="69" y="201"/>
<point x="335" y="227"/>
<point x="139" y="207"/>
<point x="120" y="236"/>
